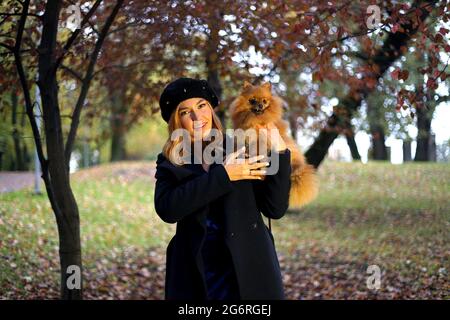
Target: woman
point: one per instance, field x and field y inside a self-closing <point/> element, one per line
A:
<point x="222" y="250"/>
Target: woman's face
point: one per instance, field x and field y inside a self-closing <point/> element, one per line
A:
<point x="196" y="117"/>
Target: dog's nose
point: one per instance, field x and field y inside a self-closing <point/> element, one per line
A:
<point x="258" y="108"/>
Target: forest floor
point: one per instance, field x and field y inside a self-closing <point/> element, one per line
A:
<point x="396" y="217"/>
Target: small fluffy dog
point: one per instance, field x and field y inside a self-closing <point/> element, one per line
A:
<point x="256" y="107"/>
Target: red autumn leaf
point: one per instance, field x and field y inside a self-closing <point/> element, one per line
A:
<point x="436" y="73"/>
<point x="395" y="74"/>
<point x="317" y="76"/>
<point x="438" y="38"/>
<point x="404" y="75"/>
<point x="371" y="83"/>
<point x="443" y="31"/>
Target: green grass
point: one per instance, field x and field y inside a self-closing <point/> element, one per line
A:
<point x="115" y="214"/>
<point x="381" y="213"/>
<point x="389" y="213"/>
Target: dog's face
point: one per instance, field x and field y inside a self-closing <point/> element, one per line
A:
<point x="258" y="98"/>
<point x="255" y="106"/>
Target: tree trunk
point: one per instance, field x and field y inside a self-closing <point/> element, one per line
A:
<point x="379" y="150"/>
<point x="55" y="168"/>
<point x="60" y="192"/>
<point x="18" y="164"/>
<point x="118" y="126"/>
<point x="423" y="134"/>
<point x="406" y="150"/>
<point x="376" y="118"/>
<point x="26" y="157"/>
<point x="432" y="148"/>
<point x="350" y="136"/>
<point x="319" y="149"/>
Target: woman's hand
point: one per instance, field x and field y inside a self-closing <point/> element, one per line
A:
<point x="249" y="170"/>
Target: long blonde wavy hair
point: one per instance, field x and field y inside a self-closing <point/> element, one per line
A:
<point x="170" y="150"/>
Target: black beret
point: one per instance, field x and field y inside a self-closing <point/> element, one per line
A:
<point x="182" y="89"/>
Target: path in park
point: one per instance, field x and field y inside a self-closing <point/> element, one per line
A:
<point x="12" y="181"/>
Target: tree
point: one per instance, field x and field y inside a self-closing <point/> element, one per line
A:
<point x="376" y="66"/>
<point x="333" y="41"/>
<point x="55" y="168"/>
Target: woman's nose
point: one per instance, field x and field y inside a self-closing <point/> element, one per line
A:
<point x="194" y="116"/>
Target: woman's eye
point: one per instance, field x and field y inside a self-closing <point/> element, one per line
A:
<point x="202" y="105"/>
<point x="182" y="113"/>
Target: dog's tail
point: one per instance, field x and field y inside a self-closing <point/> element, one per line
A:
<point x="304" y="182"/>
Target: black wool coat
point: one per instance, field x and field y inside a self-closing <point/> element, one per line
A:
<point x="182" y="196"/>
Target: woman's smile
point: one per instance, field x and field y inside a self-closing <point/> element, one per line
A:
<point x="200" y="124"/>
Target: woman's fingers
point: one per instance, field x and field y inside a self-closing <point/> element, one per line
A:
<point x="250" y="177"/>
<point x="258" y="165"/>
<point x="234" y="155"/>
<point x="256" y="158"/>
<point x="248" y="172"/>
<point x="261" y="172"/>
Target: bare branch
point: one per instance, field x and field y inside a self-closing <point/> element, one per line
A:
<point x="10" y="48"/>
<point x="123" y="66"/>
<point x="442" y="99"/>
<point x="87" y="81"/>
<point x="28" y="103"/>
<point x="6" y="14"/>
<point x="23" y="82"/>
<point x="75" y="34"/>
<point x="72" y="72"/>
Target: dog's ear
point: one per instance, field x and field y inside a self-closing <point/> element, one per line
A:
<point x="267" y="85"/>
<point x="247" y="85"/>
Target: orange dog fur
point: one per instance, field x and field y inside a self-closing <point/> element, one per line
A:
<point x="256" y="107"/>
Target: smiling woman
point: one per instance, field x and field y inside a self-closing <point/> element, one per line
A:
<point x="182" y="103"/>
<point x="222" y="249"/>
<point x="196" y="115"/>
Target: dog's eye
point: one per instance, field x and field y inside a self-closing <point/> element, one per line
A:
<point x="264" y="101"/>
<point x="252" y="101"/>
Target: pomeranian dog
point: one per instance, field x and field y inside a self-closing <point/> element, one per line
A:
<point x="256" y="107"/>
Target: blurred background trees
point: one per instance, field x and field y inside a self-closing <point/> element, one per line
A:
<point x="312" y="54"/>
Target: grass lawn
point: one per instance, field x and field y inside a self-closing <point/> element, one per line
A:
<point x="394" y="216"/>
